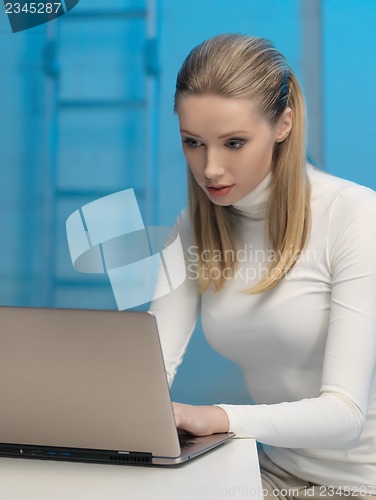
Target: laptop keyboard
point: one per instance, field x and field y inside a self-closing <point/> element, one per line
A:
<point x="185" y="442"/>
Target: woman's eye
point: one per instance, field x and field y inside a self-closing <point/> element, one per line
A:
<point x="235" y="143"/>
<point x="192" y="143"/>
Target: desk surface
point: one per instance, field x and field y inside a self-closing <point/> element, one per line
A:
<point x="230" y="471"/>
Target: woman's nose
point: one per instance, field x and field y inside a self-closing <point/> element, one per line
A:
<point x="213" y="165"/>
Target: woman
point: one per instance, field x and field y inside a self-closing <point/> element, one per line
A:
<point x="280" y="261"/>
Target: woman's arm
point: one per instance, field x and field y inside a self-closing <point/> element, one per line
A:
<point x="177" y="312"/>
<point x="336" y="417"/>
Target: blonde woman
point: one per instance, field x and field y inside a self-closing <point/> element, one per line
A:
<point x="280" y="261"/>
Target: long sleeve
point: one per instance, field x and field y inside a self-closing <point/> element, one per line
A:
<point x="177" y="312"/>
<point x="335" y="417"/>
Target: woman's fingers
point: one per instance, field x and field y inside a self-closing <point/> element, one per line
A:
<point x="200" y="420"/>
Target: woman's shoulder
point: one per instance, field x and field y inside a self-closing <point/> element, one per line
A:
<point x="183" y="225"/>
<point x="183" y="220"/>
<point x="332" y="191"/>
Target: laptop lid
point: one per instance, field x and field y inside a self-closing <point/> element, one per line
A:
<point x="84" y="385"/>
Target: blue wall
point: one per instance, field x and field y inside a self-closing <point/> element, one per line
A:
<point x="349" y="79"/>
<point x="86" y="110"/>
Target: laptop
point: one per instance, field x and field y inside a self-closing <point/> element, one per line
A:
<point x="88" y="386"/>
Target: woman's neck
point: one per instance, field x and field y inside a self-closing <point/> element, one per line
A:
<point x="254" y="204"/>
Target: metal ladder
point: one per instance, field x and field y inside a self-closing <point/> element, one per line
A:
<point x="58" y="284"/>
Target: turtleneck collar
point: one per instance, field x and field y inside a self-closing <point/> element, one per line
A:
<point x="254" y="204"/>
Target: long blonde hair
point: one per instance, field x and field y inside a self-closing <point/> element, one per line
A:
<point x="233" y="65"/>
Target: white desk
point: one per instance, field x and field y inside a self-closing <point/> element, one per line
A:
<point x="230" y="471"/>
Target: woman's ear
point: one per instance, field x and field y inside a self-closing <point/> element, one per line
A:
<point x="284" y="125"/>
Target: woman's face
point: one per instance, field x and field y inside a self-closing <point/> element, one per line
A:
<point x="227" y="144"/>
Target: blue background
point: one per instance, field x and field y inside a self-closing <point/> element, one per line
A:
<point x="86" y="110"/>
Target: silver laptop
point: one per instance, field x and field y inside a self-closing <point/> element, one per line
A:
<point x="87" y="385"/>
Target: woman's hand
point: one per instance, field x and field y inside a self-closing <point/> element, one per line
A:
<point x="200" y="420"/>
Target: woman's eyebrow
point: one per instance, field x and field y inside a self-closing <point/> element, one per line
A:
<point x="182" y="131"/>
<point x="223" y="136"/>
<point x="235" y="132"/>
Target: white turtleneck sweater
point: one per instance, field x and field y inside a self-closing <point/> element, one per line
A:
<point x="307" y="348"/>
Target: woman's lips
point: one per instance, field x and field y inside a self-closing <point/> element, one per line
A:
<point x="219" y="190"/>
